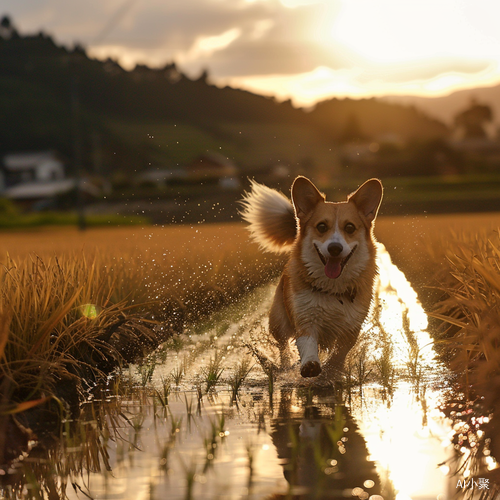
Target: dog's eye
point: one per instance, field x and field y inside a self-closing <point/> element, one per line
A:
<point x="322" y="227"/>
<point x="349" y="228"/>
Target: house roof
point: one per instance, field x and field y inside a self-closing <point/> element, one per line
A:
<point x="34" y="190"/>
<point x="22" y="161"/>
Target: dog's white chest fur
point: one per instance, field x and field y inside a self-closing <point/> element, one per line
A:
<point x="328" y="316"/>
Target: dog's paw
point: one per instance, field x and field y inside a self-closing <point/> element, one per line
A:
<point x="310" y="369"/>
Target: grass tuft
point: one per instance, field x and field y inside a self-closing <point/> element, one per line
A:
<point x="470" y="309"/>
<point x="240" y="373"/>
<point x="213" y="371"/>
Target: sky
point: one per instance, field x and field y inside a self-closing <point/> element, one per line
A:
<point x="304" y="50"/>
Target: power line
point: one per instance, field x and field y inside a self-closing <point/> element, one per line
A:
<point x="113" y="21"/>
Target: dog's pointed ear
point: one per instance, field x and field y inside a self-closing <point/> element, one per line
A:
<point x="305" y="196"/>
<point x="367" y="199"/>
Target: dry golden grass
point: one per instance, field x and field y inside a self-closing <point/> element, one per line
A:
<point x="470" y="340"/>
<point x="62" y="322"/>
<point x="139" y="241"/>
<point x="80" y="302"/>
<point x="471" y="309"/>
<point x="416" y="244"/>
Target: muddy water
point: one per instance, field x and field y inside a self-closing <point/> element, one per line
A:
<point x="379" y="434"/>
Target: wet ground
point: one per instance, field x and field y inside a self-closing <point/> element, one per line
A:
<point x="207" y="417"/>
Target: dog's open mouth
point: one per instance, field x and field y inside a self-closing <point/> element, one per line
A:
<point x="333" y="265"/>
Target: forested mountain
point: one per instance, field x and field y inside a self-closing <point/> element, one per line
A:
<point x="53" y="97"/>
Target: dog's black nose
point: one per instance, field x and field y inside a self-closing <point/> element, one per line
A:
<point x="335" y="249"/>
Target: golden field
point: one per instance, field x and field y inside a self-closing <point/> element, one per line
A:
<point x="453" y="262"/>
<point x="150" y="262"/>
<point x="406" y="237"/>
<point x="418" y="244"/>
<point x="74" y="302"/>
<point x="171" y="275"/>
<point x="75" y="305"/>
<point x="172" y="258"/>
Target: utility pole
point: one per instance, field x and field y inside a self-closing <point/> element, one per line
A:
<point x="77" y="149"/>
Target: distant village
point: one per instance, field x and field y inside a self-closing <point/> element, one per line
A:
<point x="41" y="180"/>
<point x="71" y="135"/>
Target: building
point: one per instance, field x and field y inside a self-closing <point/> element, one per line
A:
<point x="210" y="167"/>
<point x="34" y="167"/>
<point x="37" y="179"/>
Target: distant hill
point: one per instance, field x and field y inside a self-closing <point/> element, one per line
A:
<point x="375" y="119"/>
<point x="55" y="97"/>
<point x="445" y="108"/>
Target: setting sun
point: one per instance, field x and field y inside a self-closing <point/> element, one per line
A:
<point x="389" y="47"/>
<point x="303" y="50"/>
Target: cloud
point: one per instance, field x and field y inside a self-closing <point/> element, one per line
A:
<point x="277" y="40"/>
<point x="256" y="37"/>
<point x="424" y="69"/>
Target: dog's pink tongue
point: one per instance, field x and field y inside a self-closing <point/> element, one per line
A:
<point x="333" y="268"/>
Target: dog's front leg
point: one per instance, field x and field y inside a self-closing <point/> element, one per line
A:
<point x="308" y="351"/>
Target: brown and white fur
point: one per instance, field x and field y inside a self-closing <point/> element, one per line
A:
<point x="326" y="288"/>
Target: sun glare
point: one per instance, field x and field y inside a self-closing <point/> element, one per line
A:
<point x="405" y="437"/>
<point x="306" y="89"/>
<point x="428" y="48"/>
<point x="373" y="49"/>
<point x="390" y="31"/>
<point x="405" y="452"/>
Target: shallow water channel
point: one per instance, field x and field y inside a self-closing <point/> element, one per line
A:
<point x="157" y="432"/>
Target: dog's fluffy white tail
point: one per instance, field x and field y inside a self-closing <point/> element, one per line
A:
<point x="271" y="218"/>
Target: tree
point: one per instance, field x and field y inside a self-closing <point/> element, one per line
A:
<point x="7" y="29"/>
<point x="473" y="119"/>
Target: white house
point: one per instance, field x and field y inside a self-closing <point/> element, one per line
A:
<point x="42" y="166"/>
<point x="35" y="176"/>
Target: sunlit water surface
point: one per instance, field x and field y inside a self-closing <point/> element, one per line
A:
<point x="383" y="437"/>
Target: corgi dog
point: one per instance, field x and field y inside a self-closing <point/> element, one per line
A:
<point x="326" y="288"/>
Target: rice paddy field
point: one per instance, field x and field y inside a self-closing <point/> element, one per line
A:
<point x="136" y="364"/>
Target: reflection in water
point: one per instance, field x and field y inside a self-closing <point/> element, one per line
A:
<point x="323" y="454"/>
<point x="400" y="314"/>
<point x="404" y="433"/>
<point x="394" y="390"/>
<point x="382" y="437"/>
<point x="406" y="450"/>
